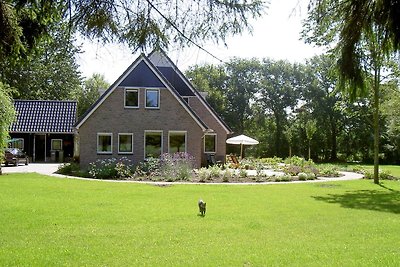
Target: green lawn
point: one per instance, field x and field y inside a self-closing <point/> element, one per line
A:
<point x="47" y="221"/>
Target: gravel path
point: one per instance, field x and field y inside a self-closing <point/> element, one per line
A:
<point x="51" y="168"/>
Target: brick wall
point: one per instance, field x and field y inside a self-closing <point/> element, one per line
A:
<point x="112" y="117"/>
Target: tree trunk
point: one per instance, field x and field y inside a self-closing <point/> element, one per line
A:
<point x="376" y="125"/>
<point x="278" y="135"/>
<point x="309" y="149"/>
<point x="290" y="151"/>
<point x="333" y="140"/>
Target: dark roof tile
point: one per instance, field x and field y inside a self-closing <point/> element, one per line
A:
<point x="44" y="116"/>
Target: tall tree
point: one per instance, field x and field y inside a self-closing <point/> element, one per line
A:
<point x="346" y="22"/>
<point x="231" y="88"/>
<point x="242" y="84"/>
<point x="311" y="128"/>
<point x="212" y="80"/>
<point x="50" y="72"/>
<point x="7" y="114"/>
<point x="91" y="92"/>
<point x="322" y="96"/>
<point x="140" y="24"/>
<point x="279" y="93"/>
<point x="364" y="45"/>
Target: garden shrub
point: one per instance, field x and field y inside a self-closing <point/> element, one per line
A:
<point x="272" y="162"/>
<point x="111" y="168"/>
<point x="227" y="175"/>
<point x="72" y="169"/>
<point x="383" y="175"/>
<point x="302" y="176"/>
<point x="215" y="171"/>
<point x="150" y="167"/>
<point x="328" y="170"/>
<point x="242" y="173"/>
<point x="283" y="178"/>
<point x="292" y="170"/>
<point x="311" y="176"/>
<point x="177" y="166"/>
<point x="203" y="174"/>
<point x="358" y="169"/>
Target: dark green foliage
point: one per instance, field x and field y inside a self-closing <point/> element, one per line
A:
<point x="49" y="73"/>
<point x="72" y="169"/>
<point x="90" y="92"/>
<point x="7" y="115"/>
<point x="149" y="167"/>
<point x="140" y="24"/>
<point x="111" y="169"/>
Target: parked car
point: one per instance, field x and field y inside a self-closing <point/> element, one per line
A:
<point x="15" y="156"/>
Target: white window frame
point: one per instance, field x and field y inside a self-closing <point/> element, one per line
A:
<point x="145" y="96"/>
<point x="144" y="141"/>
<point x="169" y="137"/>
<point x="97" y="147"/>
<point x="204" y="144"/>
<point x="52" y="147"/>
<point x="125" y="152"/>
<point x="127" y="89"/>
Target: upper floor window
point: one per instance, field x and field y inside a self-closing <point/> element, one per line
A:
<point x="131" y="98"/>
<point x="152" y="98"/>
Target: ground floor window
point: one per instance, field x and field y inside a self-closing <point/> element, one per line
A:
<point x="125" y="143"/>
<point x="210" y="143"/>
<point x="16" y="143"/>
<point x="104" y="143"/>
<point x="177" y="142"/>
<point x="152" y="144"/>
<point x="56" y="144"/>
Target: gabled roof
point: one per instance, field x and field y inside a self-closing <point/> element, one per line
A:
<point x="136" y="73"/>
<point x="44" y="116"/>
<point x="185" y="88"/>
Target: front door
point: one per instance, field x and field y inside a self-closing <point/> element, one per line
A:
<point x="40" y="148"/>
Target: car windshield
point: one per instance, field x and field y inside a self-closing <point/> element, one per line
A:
<point x="13" y="150"/>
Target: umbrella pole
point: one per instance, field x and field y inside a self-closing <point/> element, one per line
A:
<point x="241" y="151"/>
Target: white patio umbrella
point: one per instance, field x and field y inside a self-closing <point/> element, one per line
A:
<point x="242" y="140"/>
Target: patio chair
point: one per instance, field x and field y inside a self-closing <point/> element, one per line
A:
<point x="234" y="162"/>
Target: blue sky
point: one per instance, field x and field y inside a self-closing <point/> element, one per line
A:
<point x="276" y="35"/>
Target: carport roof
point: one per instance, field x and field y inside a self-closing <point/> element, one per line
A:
<point x="44" y="116"/>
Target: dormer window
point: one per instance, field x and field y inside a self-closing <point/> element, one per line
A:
<point x="131" y="98"/>
<point x="152" y="98"/>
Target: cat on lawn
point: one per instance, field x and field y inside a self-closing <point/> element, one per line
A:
<point x="202" y="207"/>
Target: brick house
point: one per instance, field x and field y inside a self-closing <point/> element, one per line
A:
<point x="151" y="109"/>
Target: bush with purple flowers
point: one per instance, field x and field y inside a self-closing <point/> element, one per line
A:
<point x="177" y="166"/>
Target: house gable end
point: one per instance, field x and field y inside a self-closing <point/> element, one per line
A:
<point x="165" y="65"/>
<point x="142" y="73"/>
<point x="142" y="76"/>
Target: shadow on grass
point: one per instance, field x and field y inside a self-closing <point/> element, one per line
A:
<point x="378" y="200"/>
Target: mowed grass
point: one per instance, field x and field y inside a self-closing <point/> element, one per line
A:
<point x="48" y="221"/>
